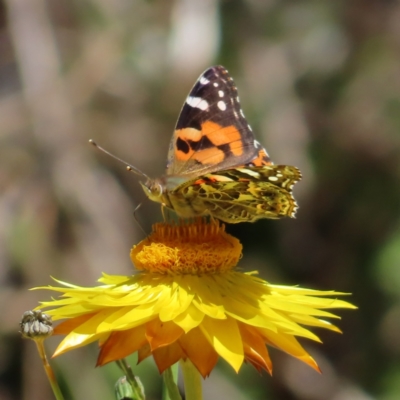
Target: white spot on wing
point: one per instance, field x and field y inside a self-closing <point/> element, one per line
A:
<point x="241" y="113"/>
<point x="197" y="102"/>
<point x="204" y="80"/>
<point x="215" y="84"/>
<point x="249" y="172"/>
<point x="220" y="93"/>
<point x="221" y="105"/>
<point x="249" y="127"/>
<point x="257" y="144"/>
<point x="237" y="99"/>
<point x="272" y="178"/>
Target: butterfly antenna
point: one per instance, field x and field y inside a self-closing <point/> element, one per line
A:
<point x="129" y="167"/>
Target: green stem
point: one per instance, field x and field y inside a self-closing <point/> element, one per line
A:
<point x="192" y="381"/>
<point x="170" y="389"/>
<point x="126" y="368"/>
<point x="49" y="371"/>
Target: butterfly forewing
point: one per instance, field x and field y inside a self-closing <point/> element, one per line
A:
<point x="212" y="133"/>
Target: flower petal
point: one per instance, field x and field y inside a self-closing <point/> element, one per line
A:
<point x="290" y="345"/>
<point x="225" y="337"/>
<point x="167" y="356"/>
<point x="179" y="302"/>
<point x="65" y="327"/>
<point x="120" y="344"/>
<point x="199" y="351"/>
<point x="75" y="340"/>
<point x="144" y="352"/>
<point x="161" y="334"/>
<point x="191" y="318"/>
<point x="255" y="349"/>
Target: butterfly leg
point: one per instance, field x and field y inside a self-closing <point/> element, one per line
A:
<point x="136" y="219"/>
<point x="163" y="209"/>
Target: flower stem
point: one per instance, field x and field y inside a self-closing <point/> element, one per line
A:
<point x="170" y="389"/>
<point x="126" y="368"/>
<point x="192" y="380"/>
<point x="49" y="371"/>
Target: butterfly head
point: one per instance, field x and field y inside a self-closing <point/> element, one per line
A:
<point x="154" y="190"/>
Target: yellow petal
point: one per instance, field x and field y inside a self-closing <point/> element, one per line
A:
<point x="190" y="319"/>
<point x="75" y="340"/>
<point x="225" y="337"/>
<point x="67" y="326"/>
<point x="179" y="302"/>
<point x="290" y="345"/>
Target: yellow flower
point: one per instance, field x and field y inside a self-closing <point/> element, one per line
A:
<point x="188" y="302"/>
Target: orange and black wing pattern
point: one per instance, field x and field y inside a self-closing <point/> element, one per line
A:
<point x="212" y="132"/>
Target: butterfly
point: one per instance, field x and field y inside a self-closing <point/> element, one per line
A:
<point x="215" y="166"/>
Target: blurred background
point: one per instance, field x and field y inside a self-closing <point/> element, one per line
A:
<point x="319" y="82"/>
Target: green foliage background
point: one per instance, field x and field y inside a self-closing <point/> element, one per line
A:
<point x="319" y="82"/>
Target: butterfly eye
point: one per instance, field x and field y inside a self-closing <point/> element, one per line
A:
<point x="157" y="189"/>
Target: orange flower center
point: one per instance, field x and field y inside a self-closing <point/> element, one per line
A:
<point x="196" y="248"/>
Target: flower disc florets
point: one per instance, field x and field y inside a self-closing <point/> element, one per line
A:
<point x="196" y="249"/>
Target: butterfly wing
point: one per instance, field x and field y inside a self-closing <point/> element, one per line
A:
<point x="212" y="133"/>
<point x="243" y="194"/>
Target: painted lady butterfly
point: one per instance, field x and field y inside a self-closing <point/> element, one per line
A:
<point x="215" y="166"/>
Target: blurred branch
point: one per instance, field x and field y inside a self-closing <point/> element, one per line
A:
<point x="50" y="111"/>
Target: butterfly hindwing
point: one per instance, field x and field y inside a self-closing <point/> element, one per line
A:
<point x="212" y="133"/>
<point x="241" y="195"/>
